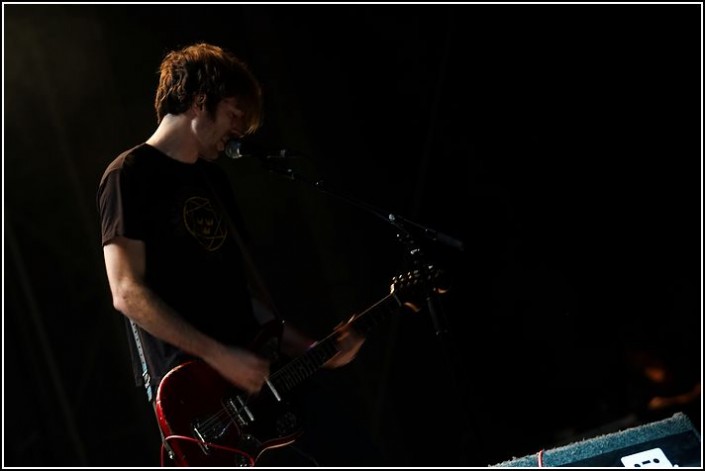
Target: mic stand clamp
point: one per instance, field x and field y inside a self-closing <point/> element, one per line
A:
<point x="418" y="261"/>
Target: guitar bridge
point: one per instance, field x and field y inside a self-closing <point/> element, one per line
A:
<point x="211" y="429"/>
<point x="202" y="442"/>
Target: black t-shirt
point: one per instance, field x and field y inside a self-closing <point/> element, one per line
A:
<point x="193" y="261"/>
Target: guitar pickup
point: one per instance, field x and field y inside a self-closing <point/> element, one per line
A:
<point x="236" y="407"/>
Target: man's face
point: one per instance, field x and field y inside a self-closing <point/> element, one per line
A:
<point x="213" y="132"/>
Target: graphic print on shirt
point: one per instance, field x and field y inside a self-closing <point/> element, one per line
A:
<point x="204" y="223"/>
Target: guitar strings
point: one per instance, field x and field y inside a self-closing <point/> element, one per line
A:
<point x="214" y="425"/>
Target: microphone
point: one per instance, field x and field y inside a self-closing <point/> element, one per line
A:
<point x="233" y="149"/>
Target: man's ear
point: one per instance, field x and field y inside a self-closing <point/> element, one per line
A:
<point x="199" y="103"/>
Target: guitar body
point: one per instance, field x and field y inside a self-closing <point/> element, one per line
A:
<point x="206" y="421"/>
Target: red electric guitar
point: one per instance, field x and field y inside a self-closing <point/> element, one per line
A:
<point x="206" y="421"/>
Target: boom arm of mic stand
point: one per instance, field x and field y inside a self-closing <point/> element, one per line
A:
<point x="413" y="250"/>
<point x="390" y="218"/>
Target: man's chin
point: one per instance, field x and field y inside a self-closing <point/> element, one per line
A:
<point x="210" y="157"/>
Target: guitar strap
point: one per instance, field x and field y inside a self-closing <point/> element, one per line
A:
<point x="147" y="380"/>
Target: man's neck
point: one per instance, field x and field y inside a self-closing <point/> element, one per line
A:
<point x="173" y="139"/>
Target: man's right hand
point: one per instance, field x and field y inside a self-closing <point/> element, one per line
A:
<point x="242" y="368"/>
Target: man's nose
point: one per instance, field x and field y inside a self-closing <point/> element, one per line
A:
<point x="236" y="133"/>
<point x="237" y="123"/>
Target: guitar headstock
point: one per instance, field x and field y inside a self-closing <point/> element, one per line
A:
<point x="418" y="283"/>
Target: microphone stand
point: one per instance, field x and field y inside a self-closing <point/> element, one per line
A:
<point x="422" y="270"/>
<point x="412" y="248"/>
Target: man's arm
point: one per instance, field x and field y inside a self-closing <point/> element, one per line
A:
<point x="125" y="265"/>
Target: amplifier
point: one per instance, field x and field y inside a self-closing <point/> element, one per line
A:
<point x="672" y="442"/>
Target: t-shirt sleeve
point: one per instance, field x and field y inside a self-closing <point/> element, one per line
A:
<point x="120" y="204"/>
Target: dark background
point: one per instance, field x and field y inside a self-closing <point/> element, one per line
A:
<point x="560" y="143"/>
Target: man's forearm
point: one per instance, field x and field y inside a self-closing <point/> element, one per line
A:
<point x="150" y="312"/>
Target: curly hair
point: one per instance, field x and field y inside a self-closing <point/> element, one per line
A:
<point x="206" y="70"/>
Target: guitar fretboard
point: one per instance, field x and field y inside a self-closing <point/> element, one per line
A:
<point x="302" y="367"/>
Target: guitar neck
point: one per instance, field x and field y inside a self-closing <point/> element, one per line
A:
<point x="296" y="371"/>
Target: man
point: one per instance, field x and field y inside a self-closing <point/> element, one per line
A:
<point x="172" y="236"/>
